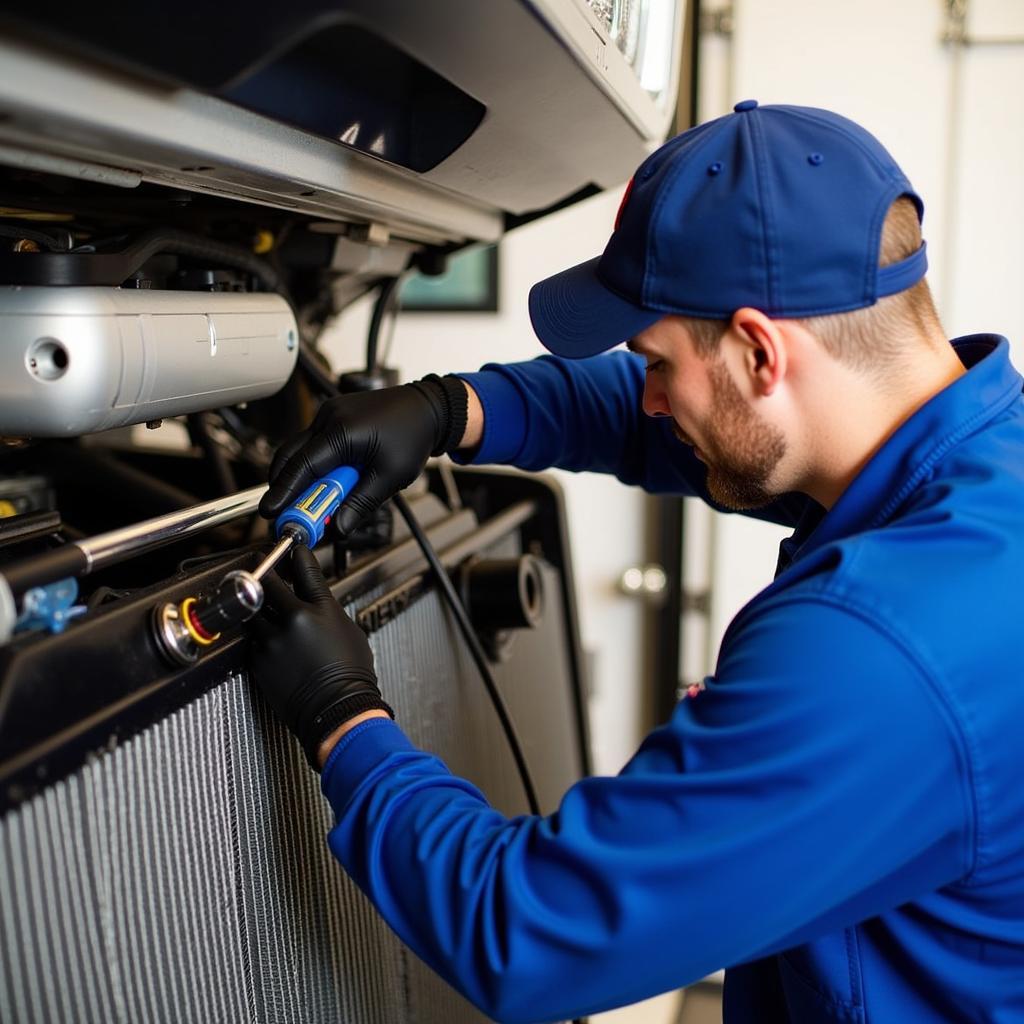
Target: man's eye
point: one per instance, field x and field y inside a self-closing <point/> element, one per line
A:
<point x="655" y="366"/>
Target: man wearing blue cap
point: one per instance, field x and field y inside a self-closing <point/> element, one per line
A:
<point x="838" y="818"/>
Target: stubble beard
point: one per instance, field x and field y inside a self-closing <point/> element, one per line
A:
<point x="742" y="450"/>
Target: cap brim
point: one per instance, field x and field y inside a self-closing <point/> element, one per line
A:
<point x="576" y="316"/>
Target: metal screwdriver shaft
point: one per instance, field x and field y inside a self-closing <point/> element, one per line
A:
<point x="185" y="629"/>
<point x="281" y="548"/>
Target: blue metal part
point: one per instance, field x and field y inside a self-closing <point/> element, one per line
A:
<point x="310" y="514"/>
<point x="50" y="607"/>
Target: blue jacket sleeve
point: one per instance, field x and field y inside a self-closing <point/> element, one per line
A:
<point x="581" y="414"/>
<point x="796" y="795"/>
<point x="586" y="414"/>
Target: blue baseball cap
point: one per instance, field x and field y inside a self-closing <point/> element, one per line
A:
<point x="776" y="207"/>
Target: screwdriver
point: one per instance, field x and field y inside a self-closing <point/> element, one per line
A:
<point x="304" y="522"/>
<point x="183" y="629"/>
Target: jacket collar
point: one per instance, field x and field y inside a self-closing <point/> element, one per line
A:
<point x="989" y="387"/>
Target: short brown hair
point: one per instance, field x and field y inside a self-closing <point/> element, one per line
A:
<point x="865" y="338"/>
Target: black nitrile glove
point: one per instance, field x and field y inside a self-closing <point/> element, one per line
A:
<point x="312" y="662"/>
<point x="386" y="435"/>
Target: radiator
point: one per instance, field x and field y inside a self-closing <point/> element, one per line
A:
<point x="184" y="876"/>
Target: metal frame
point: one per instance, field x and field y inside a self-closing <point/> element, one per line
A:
<point x="584" y="34"/>
<point x="84" y="113"/>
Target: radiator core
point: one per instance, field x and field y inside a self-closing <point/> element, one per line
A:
<point x="184" y="875"/>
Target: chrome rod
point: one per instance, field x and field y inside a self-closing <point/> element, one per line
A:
<point x="274" y="557"/>
<point x="107" y="548"/>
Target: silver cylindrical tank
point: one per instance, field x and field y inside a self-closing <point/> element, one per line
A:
<point x="82" y="359"/>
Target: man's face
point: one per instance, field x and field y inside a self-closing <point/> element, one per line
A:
<point x="740" y="448"/>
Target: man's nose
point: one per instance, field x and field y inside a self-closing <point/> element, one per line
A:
<point x="655" y="402"/>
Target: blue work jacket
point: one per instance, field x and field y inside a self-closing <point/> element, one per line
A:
<point x="838" y="818"/>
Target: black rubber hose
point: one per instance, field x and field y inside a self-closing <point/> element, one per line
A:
<point x="321" y="378"/>
<point x="444" y="581"/>
<point x="380" y="309"/>
<point x="459" y="611"/>
<point x="199" y="431"/>
<point x="196" y="245"/>
<point x="181" y="243"/>
<point x="111" y="268"/>
<point x="469" y="635"/>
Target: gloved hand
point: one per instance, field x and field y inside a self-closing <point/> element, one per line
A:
<point x="387" y="435"/>
<point x="312" y="662"/>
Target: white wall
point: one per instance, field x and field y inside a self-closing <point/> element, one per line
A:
<point x="950" y="116"/>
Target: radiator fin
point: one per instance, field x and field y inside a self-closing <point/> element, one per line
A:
<point x="183" y="876"/>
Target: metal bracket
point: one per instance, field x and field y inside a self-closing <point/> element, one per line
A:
<point x="172" y="637"/>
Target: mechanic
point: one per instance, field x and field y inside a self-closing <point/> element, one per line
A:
<point x="838" y="817"/>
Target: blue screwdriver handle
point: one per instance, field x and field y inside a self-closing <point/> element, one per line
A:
<point x="308" y="516"/>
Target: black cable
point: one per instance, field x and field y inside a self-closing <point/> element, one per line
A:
<point x="322" y="379"/>
<point x="380" y="308"/>
<point x="183" y="243"/>
<point x="469" y="635"/>
<point x="202" y="437"/>
<point x="457" y="609"/>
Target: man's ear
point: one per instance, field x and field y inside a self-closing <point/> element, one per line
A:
<point x="762" y="348"/>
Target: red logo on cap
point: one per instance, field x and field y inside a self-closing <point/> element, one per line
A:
<point x="622" y="205"/>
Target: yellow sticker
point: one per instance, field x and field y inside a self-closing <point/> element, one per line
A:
<point x="304" y="505"/>
<point x="324" y="505"/>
